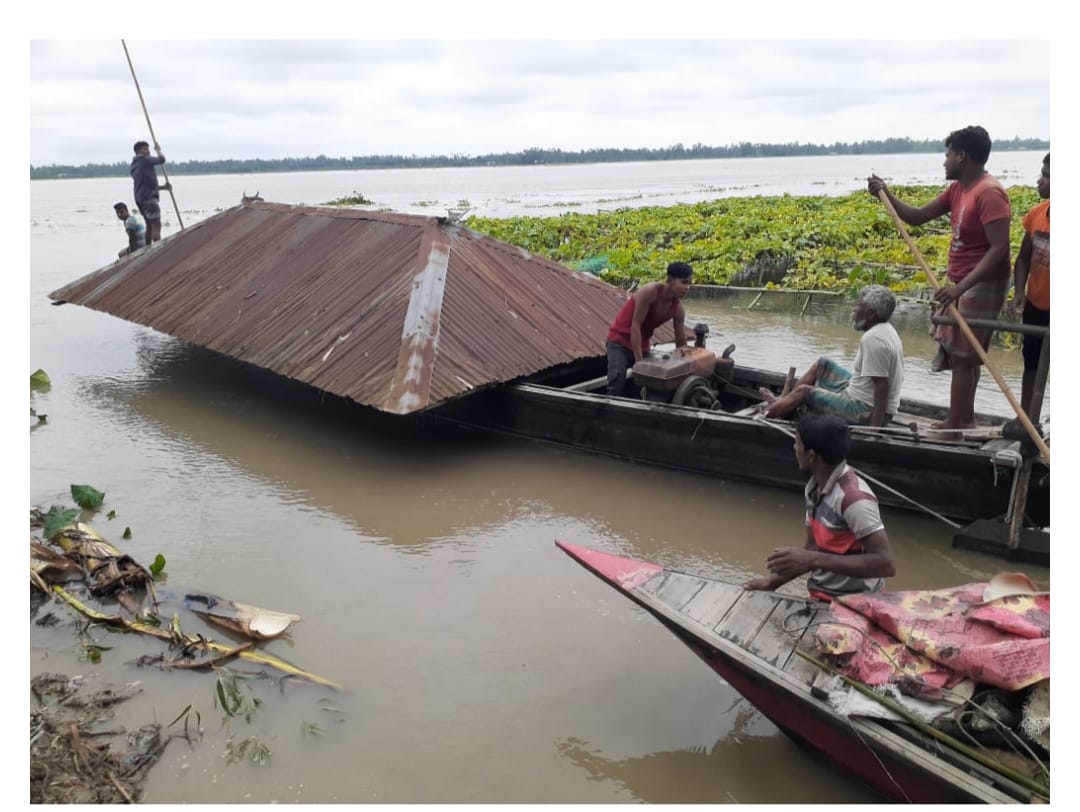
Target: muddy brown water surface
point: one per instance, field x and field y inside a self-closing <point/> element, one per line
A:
<point x="479" y="664"/>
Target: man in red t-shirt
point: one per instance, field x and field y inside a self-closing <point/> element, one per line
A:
<point x="653" y="305"/>
<point x="1031" y="283"/>
<point x="978" y="267"/>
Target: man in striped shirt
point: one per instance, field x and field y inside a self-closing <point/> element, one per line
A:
<point x="133" y="227"/>
<point x="846" y="549"/>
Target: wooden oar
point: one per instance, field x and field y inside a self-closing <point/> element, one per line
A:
<point x="966" y="330"/>
<point x="153" y="137"/>
<point x="789" y="381"/>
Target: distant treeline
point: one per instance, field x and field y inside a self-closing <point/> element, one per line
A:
<point x="528" y="157"/>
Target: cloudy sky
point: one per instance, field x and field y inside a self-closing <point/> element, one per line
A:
<point x="274" y="98"/>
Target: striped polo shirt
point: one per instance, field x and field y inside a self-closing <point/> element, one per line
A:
<point x="838" y="515"/>
<point x="133" y="225"/>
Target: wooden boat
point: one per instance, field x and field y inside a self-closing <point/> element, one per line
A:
<point x="751" y="638"/>
<point x="964" y="480"/>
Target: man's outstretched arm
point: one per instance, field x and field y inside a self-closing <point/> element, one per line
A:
<point x="912" y="215"/>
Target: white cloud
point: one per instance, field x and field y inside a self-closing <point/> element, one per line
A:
<point x="275" y="98"/>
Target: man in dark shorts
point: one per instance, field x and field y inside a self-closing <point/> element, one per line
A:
<point x="978" y="267"/>
<point x="1031" y="283"/>
<point x="145" y="179"/>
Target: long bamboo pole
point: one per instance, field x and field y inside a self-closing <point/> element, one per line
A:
<point x="1024" y="481"/>
<point x="157" y="146"/>
<point x="969" y="751"/>
<point x="968" y="334"/>
<point x="997" y="324"/>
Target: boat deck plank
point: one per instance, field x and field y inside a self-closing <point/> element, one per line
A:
<point x="780" y="634"/>
<point x="750" y="612"/>
<point x="799" y="667"/>
<point x="591" y="385"/>
<point x="821" y="684"/>
<point x="675" y="589"/>
<point x="1004" y="451"/>
<point x="749" y="411"/>
<point x="709" y="606"/>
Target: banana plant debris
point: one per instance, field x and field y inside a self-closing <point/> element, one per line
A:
<point x="105" y="573"/>
<point x="78" y="754"/>
<point x="242" y="618"/>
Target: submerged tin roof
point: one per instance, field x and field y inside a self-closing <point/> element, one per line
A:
<point x="399" y="312"/>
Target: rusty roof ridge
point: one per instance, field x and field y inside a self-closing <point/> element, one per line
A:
<point x="344" y="212"/>
<point x="411" y="386"/>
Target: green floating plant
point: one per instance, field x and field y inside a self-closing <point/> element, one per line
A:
<point x="87" y="497"/>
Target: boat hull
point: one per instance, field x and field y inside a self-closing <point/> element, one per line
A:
<point x="960" y="482"/>
<point x="747" y="638"/>
<point x="831" y="737"/>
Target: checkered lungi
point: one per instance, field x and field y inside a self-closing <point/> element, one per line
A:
<point x="830" y="395"/>
<point x="983" y="300"/>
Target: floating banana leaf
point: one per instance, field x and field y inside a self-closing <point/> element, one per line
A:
<point x="242" y="618"/>
<point x="173" y="633"/>
<point x="50" y="567"/>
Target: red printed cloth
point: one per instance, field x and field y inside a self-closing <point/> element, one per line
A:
<point x="929" y="640"/>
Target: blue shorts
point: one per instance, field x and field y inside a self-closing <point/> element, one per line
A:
<point x="829" y="395"/>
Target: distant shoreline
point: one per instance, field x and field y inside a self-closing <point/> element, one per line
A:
<point x="528" y="157"/>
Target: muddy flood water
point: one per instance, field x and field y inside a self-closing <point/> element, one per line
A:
<point x="478" y="663"/>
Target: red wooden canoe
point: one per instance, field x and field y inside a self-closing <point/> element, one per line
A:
<point x="750" y="638"/>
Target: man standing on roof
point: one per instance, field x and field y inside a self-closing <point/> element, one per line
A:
<point x="651" y="306"/>
<point x="870" y="395"/>
<point x="1031" y="283"/>
<point x="846" y="549"/>
<point x="978" y="265"/>
<point x="144" y="176"/>
<point x="136" y="231"/>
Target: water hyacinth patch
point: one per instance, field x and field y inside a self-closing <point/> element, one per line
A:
<point x="823" y="242"/>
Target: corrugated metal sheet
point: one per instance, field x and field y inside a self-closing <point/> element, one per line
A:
<point x="395" y="311"/>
